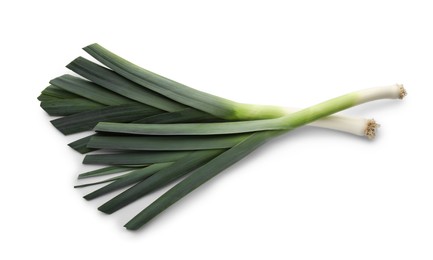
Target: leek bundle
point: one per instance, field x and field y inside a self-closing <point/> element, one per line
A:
<point x="153" y="131"/>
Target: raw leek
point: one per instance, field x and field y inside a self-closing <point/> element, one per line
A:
<point x="153" y="130"/>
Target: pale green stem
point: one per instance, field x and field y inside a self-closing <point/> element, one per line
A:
<point x="352" y="125"/>
<point x="288" y="122"/>
<point x="337" y="104"/>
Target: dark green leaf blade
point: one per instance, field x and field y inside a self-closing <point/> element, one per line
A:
<point x="98" y="182"/>
<point x="57" y="92"/>
<point x="80" y="145"/>
<point x="159" y="179"/>
<point x="120" y="85"/>
<point x="128" y="179"/>
<point x="165" y="143"/>
<point x="182" y="116"/>
<point x="89" y="90"/>
<point x="199" y="100"/>
<point x="187" y="115"/>
<point x="200" y="176"/>
<point x="192" y="128"/>
<point x="45" y="97"/>
<point x="134" y="158"/>
<point x="66" y="107"/>
<point x="105" y="171"/>
<point x="87" y="120"/>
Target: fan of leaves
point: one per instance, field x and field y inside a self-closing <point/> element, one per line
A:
<point x="147" y="162"/>
<point x="167" y="135"/>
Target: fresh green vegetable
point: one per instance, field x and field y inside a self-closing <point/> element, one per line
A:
<point x="153" y="130"/>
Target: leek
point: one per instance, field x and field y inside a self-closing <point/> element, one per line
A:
<point x="154" y="130"/>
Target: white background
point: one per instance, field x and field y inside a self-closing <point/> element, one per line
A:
<point x="312" y="194"/>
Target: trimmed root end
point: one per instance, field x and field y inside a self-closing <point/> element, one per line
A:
<point x="370" y="130"/>
<point x="403" y="92"/>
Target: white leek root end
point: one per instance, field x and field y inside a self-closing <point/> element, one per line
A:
<point x="403" y="92"/>
<point x="395" y="91"/>
<point x="370" y="130"/>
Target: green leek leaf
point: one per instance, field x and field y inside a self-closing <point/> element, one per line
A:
<point x="199" y="100"/>
<point x="89" y="90"/>
<point x="121" y="86"/>
<point x="166" y="143"/>
<point x="104" y="171"/>
<point x="128" y="179"/>
<point x="134" y="158"/>
<point x="163" y="177"/>
<point x="200" y="176"/>
<point x="87" y="120"/>
<point x="66" y="107"/>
